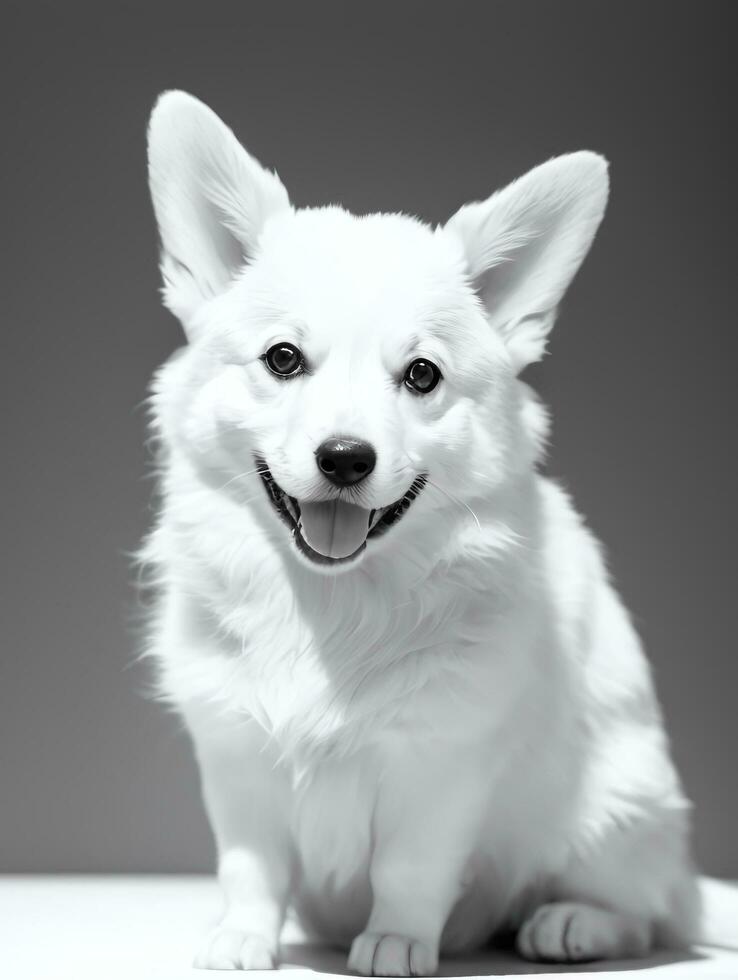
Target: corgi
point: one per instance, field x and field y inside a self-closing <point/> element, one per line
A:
<point x="421" y="713"/>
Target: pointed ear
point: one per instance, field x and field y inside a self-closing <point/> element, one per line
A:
<point x="211" y="200"/>
<point x="524" y="245"/>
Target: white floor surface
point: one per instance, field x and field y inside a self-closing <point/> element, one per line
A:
<point x="136" y="927"/>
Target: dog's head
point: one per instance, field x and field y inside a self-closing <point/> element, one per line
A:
<point x="354" y="365"/>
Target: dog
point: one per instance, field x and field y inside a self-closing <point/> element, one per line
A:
<point x="421" y="714"/>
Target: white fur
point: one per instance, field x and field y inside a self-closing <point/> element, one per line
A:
<point x="459" y="728"/>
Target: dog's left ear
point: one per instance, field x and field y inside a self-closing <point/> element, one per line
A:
<point x="211" y="200"/>
<point x="524" y="245"/>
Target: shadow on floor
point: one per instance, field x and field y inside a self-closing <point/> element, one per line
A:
<point x="486" y="963"/>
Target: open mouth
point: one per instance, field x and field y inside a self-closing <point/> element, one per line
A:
<point x="332" y="532"/>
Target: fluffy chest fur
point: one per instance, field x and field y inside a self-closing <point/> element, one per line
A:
<point x="327" y="663"/>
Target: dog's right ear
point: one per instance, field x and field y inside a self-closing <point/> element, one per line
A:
<point x="211" y="200"/>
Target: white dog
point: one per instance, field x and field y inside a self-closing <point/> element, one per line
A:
<point x="420" y="710"/>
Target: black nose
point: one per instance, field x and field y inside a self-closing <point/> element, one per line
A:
<point x="345" y="461"/>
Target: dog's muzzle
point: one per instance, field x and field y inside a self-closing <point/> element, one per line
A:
<point x="330" y="532"/>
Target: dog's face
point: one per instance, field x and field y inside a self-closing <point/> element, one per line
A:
<point x="360" y="373"/>
<point x="350" y="364"/>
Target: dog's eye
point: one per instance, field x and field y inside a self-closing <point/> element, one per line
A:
<point x="284" y="360"/>
<point x="421" y="376"/>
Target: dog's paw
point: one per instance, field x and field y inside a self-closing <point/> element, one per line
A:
<point x="376" y="954"/>
<point x="570" y="932"/>
<point x="227" y="948"/>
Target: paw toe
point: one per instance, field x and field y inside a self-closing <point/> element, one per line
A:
<point x="233" y="949"/>
<point x="571" y="932"/>
<point x="553" y="934"/>
<point x="383" y="955"/>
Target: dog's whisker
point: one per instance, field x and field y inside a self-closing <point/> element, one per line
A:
<point x="454" y="500"/>
<point x="240" y="476"/>
<point x="333" y="592"/>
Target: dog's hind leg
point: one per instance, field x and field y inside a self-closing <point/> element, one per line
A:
<point x="632" y="893"/>
<point x="572" y="932"/>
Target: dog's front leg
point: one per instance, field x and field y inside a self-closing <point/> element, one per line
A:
<point x="426" y="820"/>
<point x="247" y="797"/>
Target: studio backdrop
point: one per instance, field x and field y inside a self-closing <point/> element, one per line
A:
<point x="382" y="106"/>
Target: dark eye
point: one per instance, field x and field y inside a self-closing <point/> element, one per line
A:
<point x="284" y="360"/>
<point x="421" y="376"/>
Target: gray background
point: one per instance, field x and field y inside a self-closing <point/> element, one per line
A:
<point x="407" y="105"/>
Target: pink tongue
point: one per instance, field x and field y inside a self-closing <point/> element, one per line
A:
<point x="334" y="528"/>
